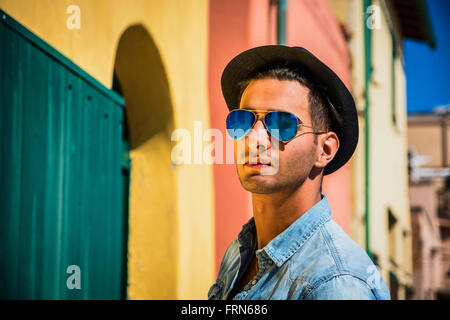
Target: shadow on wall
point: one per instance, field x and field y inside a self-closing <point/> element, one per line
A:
<point x="145" y="86"/>
<point x="140" y="77"/>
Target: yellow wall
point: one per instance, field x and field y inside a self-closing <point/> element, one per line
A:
<point x="171" y="241"/>
<point x="389" y="159"/>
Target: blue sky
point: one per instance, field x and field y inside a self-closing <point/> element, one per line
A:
<point x="427" y="70"/>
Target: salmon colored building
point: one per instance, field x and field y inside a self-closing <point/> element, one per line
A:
<point x="238" y="25"/>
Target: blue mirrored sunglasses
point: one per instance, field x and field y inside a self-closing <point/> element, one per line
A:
<point x="282" y="125"/>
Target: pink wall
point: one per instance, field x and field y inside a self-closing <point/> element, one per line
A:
<point x="428" y="272"/>
<point x="229" y="35"/>
<point x="237" y="25"/>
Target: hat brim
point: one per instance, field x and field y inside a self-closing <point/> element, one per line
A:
<point x="244" y="65"/>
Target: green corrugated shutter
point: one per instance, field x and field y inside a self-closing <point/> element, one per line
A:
<point x="62" y="198"/>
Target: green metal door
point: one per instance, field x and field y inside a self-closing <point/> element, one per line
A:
<point x="63" y="208"/>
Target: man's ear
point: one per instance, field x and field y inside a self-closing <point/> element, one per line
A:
<point x="328" y="145"/>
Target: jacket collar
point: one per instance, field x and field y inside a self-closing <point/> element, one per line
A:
<point x="284" y="245"/>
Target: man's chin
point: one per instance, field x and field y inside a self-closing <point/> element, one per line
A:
<point x="259" y="184"/>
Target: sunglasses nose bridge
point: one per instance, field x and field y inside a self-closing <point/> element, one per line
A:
<point x="260" y="116"/>
<point x="259" y="133"/>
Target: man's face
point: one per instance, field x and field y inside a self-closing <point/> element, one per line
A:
<point x="295" y="158"/>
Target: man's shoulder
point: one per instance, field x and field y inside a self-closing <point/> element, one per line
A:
<point x="348" y="256"/>
<point x="331" y="257"/>
<point x="331" y="251"/>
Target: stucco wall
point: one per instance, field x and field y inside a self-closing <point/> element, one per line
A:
<point x="179" y="30"/>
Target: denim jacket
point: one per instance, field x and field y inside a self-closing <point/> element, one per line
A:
<point x="312" y="259"/>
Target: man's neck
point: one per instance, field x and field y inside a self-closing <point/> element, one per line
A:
<point x="275" y="212"/>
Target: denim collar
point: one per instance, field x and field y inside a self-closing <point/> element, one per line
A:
<point x="284" y="245"/>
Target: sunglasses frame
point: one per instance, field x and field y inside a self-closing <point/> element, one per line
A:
<point x="258" y="114"/>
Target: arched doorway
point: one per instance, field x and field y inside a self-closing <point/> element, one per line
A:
<point x="141" y="79"/>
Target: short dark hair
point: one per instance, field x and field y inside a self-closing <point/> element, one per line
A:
<point x="323" y="114"/>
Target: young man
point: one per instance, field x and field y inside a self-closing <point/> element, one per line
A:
<point x="302" y="118"/>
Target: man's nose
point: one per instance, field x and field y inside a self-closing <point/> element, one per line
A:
<point x="259" y="137"/>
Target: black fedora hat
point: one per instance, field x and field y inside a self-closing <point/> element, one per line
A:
<point x="248" y="63"/>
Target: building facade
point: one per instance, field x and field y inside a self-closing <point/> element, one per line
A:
<point x="429" y="187"/>
<point x="381" y="216"/>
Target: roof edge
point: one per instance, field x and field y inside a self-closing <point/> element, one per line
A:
<point x="426" y="20"/>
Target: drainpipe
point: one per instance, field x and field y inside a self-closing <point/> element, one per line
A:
<point x="281" y="21"/>
<point x="368" y="75"/>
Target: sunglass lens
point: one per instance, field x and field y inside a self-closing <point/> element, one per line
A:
<point x="282" y="125"/>
<point x="239" y="123"/>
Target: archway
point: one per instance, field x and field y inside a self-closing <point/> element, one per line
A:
<point x="152" y="245"/>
